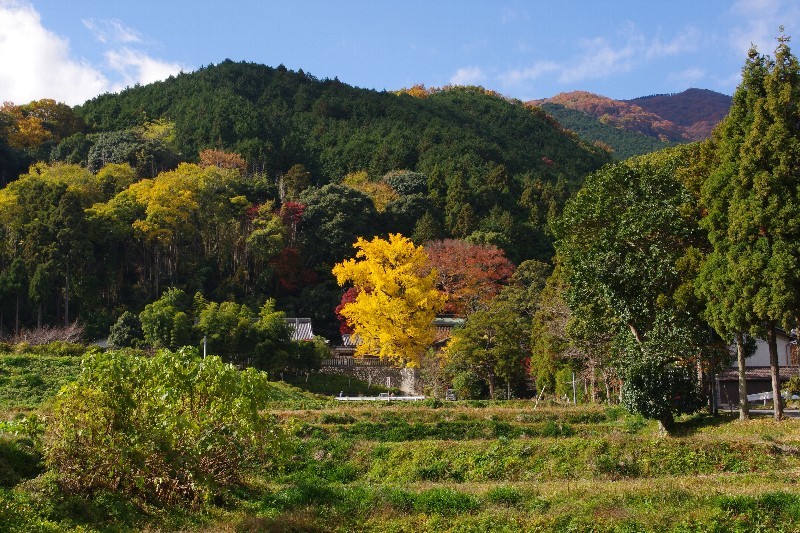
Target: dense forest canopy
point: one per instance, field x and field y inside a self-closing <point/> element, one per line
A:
<point x="275" y="118"/>
<point x="244" y="182"/>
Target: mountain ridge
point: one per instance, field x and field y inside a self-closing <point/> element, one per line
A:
<point x="681" y="117"/>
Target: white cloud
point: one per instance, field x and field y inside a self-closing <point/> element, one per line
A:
<point x="112" y="31"/>
<point x="538" y="69"/>
<point x="510" y="15"/>
<point x="37" y="63"/>
<point x="760" y="20"/>
<point x="688" y="41"/>
<point x="468" y="76"/>
<point x="137" y="67"/>
<point x="688" y="76"/>
<point x="600" y="58"/>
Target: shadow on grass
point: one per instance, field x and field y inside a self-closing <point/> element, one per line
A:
<point x="700" y="421"/>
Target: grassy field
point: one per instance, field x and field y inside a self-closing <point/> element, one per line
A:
<point x="441" y="466"/>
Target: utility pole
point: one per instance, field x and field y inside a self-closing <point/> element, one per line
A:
<point x="574" y="392"/>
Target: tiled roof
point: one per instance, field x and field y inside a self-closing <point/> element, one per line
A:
<point x="444" y="330"/>
<point x="301" y="328"/>
<point x="756" y="373"/>
<point x="349" y="341"/>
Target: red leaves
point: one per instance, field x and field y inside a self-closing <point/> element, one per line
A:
<point x="348" y="297"/>
<point x="471" y="275"/>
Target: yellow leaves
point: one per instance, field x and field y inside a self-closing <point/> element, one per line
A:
<point x="394" y="310"/>
<point x="160" y="130"/>
<point x="380" y="193"/>
<point x="23" y="131"/>
<point x="221" y="159"/>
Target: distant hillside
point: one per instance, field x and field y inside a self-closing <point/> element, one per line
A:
<point x="276" y="118"/>
<point x="617" y="113"/>
<point x="620" y="142"/>
<point x="687" y="116"/>
<point x="696" y="110"/>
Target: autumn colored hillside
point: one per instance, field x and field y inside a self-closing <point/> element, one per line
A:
<point x="695" y="110"/>
<point x="687" y="116"/>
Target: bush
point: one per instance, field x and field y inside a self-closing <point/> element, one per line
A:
<point x="792" y="386"/>
<point x="467" y="386"/>
<point x="658" y="388"/>
<point x="58" y="349"/>
<point x="125" y="331"/>
<point x="171" y="428"/>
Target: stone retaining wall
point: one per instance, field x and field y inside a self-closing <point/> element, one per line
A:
<point x="406" y="379"/>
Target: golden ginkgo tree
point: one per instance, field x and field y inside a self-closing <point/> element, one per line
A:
<point x="392" y="315"/>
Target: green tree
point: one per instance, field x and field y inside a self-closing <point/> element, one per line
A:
<point x="229" y="330"/>
<point x="751" y="278"/>
<point x="294" y="182"/>
<point x="334" y="217"/>
<point x="125" y="331"/>
<point x="273" y="349"/>
<point x="493" y="344"/>
<point x="622" y="239"/>
<point x="161" y="324"/>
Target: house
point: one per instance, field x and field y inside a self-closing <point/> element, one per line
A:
<point x="758" y="373"/>
<point x="301" y="329"/>
<point x="444" y="330"/>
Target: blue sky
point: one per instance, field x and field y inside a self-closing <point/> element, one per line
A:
<point x="73" y="50"/>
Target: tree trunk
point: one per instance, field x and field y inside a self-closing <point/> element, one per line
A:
<point x="16" y="319"/>
<point x="744" y="410"/>
<point x="777" y="400"/>
<point x="712" y="381"/>
<point x="635" y="332"/>
<point x="66" y="299"/>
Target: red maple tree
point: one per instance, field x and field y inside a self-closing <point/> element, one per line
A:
<point x="470" y="274"/>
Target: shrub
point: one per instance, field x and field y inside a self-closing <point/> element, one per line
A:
<point x="468" y="386"/>
<point x="792" y="386"/>
<point x="125" y="331"/>
<point x="58" y="349"/>
<point x="171" y="428"/>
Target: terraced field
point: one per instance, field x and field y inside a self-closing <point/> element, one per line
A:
<point x="434" y="466"/>
<point x="480" y="467"/>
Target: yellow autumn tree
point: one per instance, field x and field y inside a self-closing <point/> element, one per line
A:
<point x="392" y="316"/>
<point x="380" y="193"/>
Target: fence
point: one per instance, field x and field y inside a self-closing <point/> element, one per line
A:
<point x="354" y="361"/>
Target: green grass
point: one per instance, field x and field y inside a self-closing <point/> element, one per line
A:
<point x="28" y="380"/>
<point x="436" y="466"/>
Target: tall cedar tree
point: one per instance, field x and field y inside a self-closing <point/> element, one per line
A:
<point x="755" y="222"/>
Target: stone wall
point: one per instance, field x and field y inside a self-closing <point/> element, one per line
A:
<point x="406" y="379"/>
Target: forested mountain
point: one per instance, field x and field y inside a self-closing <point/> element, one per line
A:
<point x="244" y="182"/>
<point x="620" y="142"/>
<point x="696" y="110"/>
<point x="683" y="117"/>
<point x="275" y="118"/>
